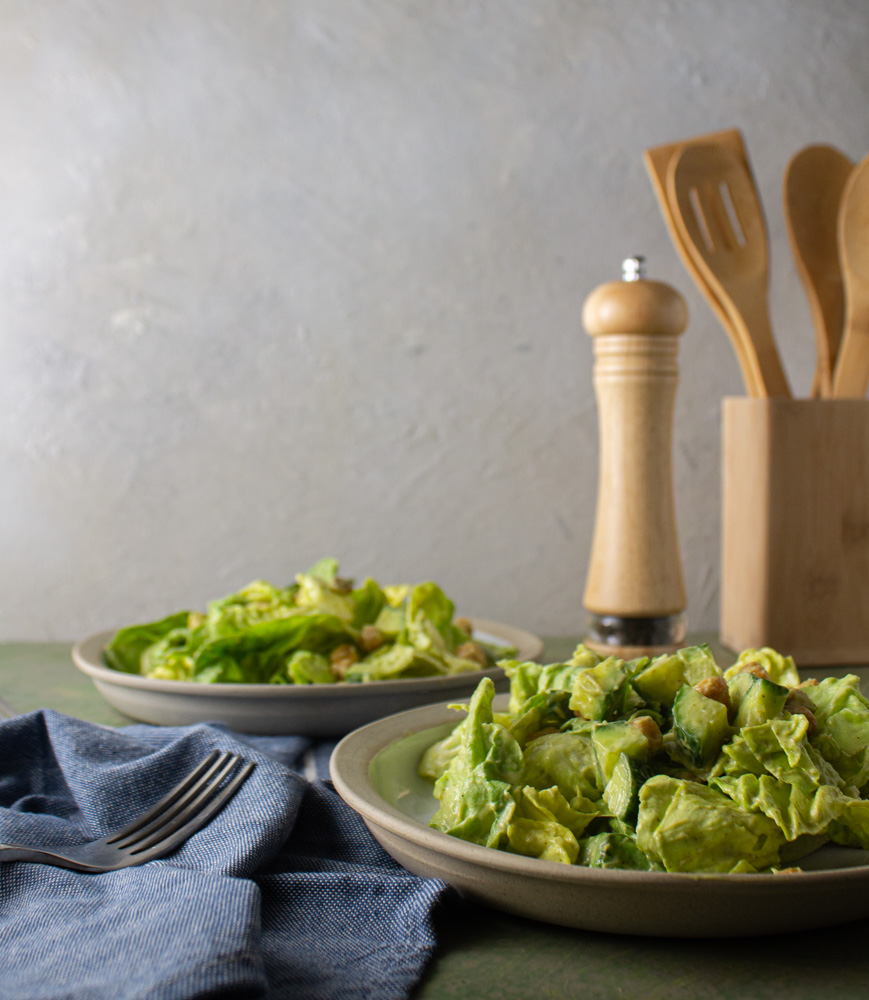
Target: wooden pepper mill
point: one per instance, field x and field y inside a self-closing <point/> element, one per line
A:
<point x="635" y="592"/>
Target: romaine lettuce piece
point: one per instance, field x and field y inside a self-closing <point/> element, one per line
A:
<point x="245" y="636"/>
<point x="316" y="595"/>
<point x="796" y="809"/>
<point x="524" y="682"/>
<point x="780" y="748"/>
<point x="127" y="645"/>
<point x="546" y="711"/>
<point x="781" y="669"/>
<point x="474" y="792"/>
<point x="171" y="658"/>
<point x="257" y="602"/>
<point x="565" y="760"/>
<point x="687" y="826"/>
<point x="260" y="650"/>
<point x="545" y="826"/>
<point x="325" y="569"/>
<point x="548" y="840"/>
<point x="437" y="757"/>
<point x="842" y="716"/>
<point x="368" y="601"/>
<point x="851" y="829"/>
<point x="390" y="662"/>
<point x="427" y="602"/>
<point x="390" y="621"/>
<point x="583" y="657"/>
<point x="305" y="667"/>
<point x="422" y="633"/>
<point x="773" y="769"/>
<point x="528" y="678"/>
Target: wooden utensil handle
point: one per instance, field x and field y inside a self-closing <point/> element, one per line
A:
<point x="635" y="567"/>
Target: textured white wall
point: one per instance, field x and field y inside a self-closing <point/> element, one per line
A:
<point x="291" y="278"/>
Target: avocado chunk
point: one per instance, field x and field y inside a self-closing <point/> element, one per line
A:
<point x="737" y="687"/>
<point x="764" y="700"/>
<point x="700" y="726"/>
<point x="613" y="850"/>
<point x="622" y="793"/>
<point x="598" y="692"/>
<point x="616" y="738"/>
<point x="661" y="680"/>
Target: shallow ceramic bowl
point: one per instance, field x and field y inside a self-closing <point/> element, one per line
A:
<point x="375" y="771"/>
<point x="315" y="710"/>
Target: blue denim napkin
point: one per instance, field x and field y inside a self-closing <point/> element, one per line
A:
<point x="284" y="894"/>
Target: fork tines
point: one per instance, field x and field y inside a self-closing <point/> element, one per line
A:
<point x="185" y="809"/>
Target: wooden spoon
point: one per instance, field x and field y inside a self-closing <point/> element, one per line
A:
<point x="852" y="368"/>
<point x="720" y="220"/>
<point x="814" y="180"/>
<point x="658" y="160"/>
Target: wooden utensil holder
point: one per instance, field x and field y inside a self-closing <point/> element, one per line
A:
<point x="795" y="528"/>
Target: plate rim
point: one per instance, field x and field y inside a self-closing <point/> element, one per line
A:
<point x="349" y="766"/>
<point x="530" y="645"/>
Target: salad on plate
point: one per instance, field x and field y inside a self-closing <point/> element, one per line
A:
<point x="664" y="764"/>
<point x="321" y="629"/>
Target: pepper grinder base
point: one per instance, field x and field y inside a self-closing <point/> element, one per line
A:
<point x="630" y="638"/>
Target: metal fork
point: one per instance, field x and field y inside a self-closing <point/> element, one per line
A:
<point x="187" y="808"/>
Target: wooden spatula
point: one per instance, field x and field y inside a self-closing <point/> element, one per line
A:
<point x="814" y="180"/>
<point x="720" y="220"/>
<point x="851" y="374"/>
<point x="658" y="160"/>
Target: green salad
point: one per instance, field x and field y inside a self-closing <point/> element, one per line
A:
<point x="667" y="764"/>
<point x="322" y="629"/>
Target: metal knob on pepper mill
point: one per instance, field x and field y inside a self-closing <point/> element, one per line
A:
<point x="635" y="591"/>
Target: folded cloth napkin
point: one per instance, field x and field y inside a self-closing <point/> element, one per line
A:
<point x="284" y="894"/>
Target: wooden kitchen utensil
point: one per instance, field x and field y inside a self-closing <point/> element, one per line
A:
<point x="814" y="181"/>
<point x="658" y="160"/>
<point x="720" y="220"/>
<point x="851" y="374"/>
<point x="634" y="589"/>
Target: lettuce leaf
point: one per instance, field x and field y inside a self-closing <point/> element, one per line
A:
<point x="474" y="792"/>
<point x="842" y="716"/>
<point x="690" y="827"/>
<point x="254" y="634"/>
<point x="546" y="826"/>
<point x="781" y="669"/>
<point x="125" y="650"/>
<point x="567" y="761"/>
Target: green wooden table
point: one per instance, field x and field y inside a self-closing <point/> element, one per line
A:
<point x="487" y="954"/>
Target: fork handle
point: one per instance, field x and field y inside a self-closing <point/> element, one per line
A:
<point x="9" y="852"/>
<point x="18" y="852"/>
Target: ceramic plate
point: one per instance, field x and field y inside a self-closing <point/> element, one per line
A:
<point x="316" y="710"/>
<point x="374" y="771"/>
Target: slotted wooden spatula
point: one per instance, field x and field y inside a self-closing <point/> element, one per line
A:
<point x="720" y="219"/>
<point x="814" y="181"/>
<point x="852" y="368"/>
<point x="658" y="160"/>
